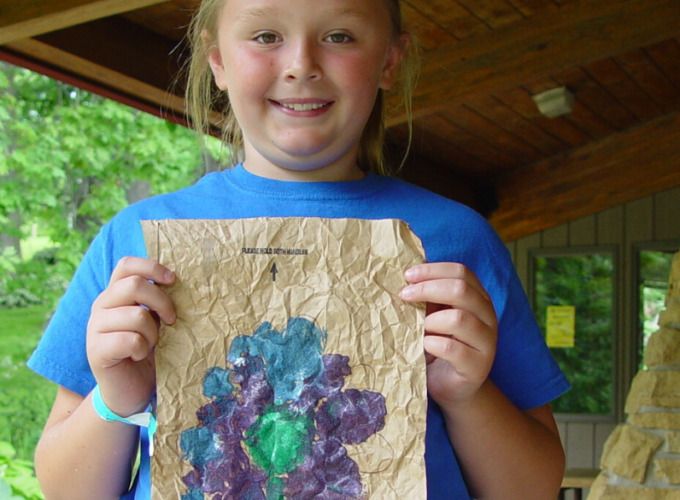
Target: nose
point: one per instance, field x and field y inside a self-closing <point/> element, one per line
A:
<point x="303" y="61"/>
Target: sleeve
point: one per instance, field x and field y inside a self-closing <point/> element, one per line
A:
<point x="524" y="369"/>
<point x="61" y="353"/>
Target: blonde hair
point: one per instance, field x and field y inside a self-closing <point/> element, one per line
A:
<point x="203" y="97"/>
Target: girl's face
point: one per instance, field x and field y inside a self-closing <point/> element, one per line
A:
<point x="302" y="77"/>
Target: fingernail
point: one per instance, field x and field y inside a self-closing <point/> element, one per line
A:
<point x="410" y="274"/>
<point x="169" y="275"/>
<point x="407" y="293"/>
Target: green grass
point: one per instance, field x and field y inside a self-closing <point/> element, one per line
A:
<point x="25" y="398"/>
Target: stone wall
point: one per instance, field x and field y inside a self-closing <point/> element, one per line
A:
<point x="641" y="458"/>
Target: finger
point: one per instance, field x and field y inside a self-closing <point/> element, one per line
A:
<point x="134" y="290"/>
<point x="128" y="318"/>
<point x="456" y="293"/>
<point x="146" y="268"/>
<point x="429" y="358"/>
<point x="464" y="327"/>
<point x="114" y="347"/>
<point x="444" y="270"/>
<point x="465" y="360"/>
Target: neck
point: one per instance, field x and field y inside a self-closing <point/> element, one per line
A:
<point x="316" y="175"/>
<point x="344" y="168"/>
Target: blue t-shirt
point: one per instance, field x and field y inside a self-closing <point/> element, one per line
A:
<point x="450" y="232"/>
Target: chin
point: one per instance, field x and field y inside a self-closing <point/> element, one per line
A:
<point x="301" y="163"/>
<point x="303" y="159"/>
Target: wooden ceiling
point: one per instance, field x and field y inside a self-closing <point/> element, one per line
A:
<point x="478" y="136"/>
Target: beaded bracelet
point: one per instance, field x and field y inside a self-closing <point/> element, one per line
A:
<point x="145" y="419"/>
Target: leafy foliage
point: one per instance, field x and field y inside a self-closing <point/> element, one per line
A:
<point x="25" y="401"/>
<point x="17" y="481"/>
<point x="654" y="269"/>
<point x="583" y="281"/>
<point x="25" y="397"/>
<point x="34" y="282"/>
<point x="69" y="161"/>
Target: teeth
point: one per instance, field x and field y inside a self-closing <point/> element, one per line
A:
<point x="302" y="107"/>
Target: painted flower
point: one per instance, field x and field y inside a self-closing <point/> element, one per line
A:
<point x="277" y="421"/>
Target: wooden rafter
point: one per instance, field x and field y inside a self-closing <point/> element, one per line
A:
<point x="621" y="168"/>
<point x="98" y="74"/>
<point x="115" y="43"/>
<point x="88" y="41"/>
<point x="576" y="34"/>
<point x="28" y="18"/>
<point x="111" y="59"/>
<point x="103" y="77"/>
<point x="55" y="73"/>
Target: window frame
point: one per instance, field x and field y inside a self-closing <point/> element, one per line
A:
<point x="672" y="246"/>
<point x="612" y="250"/>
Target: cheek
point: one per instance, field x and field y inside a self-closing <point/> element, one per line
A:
<point x="251" y="70"/>
<point x="359" y="73"/>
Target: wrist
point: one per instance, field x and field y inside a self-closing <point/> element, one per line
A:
<point x="105" y="413"/>
<point x="471" y="402"/>
<point x="123" y="399"/>
<point x="145" y="419"/>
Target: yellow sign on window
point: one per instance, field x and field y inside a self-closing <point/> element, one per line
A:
<point x="560" y="321"/>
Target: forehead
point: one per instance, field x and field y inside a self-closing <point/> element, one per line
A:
<point x="239" y="11"/>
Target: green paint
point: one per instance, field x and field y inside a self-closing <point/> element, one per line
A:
<point x="275" y="489"/>
<point x="280" y="439"/>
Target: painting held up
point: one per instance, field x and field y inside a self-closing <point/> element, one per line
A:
<point x="286" y="406"/>
<point x="294" y="370"/>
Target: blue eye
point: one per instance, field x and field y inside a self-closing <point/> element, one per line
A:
<point x="339" y="38"/>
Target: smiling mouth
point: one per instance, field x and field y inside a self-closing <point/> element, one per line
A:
<point x="300" y="106"/>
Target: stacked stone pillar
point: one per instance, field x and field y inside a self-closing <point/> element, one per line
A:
<point x="641" y="458"/>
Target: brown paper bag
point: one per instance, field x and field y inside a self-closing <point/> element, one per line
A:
<point x="294" y="370"/>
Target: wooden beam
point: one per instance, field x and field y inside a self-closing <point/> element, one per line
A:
<point x="115" y="42"/>
<point x="578" y="33"/>
<point x="28" y="18"/>
<point x="77" y="81"/>
<point x="621" y="168"/>
<point x="111" y="60"/>
<point x="100" y="75"/>
<point x="150" y="89"/>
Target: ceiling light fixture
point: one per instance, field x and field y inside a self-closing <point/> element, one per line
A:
<point x="555" y="102"/>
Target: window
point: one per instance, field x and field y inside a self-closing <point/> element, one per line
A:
<point x="653" y="270"/>
<point x="573" y="299"/>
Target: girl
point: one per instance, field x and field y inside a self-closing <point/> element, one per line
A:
<point x="302" y="84"/>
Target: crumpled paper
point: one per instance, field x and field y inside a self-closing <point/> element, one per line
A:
<point x="339" y="279"/>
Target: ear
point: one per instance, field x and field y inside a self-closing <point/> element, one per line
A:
<point x="394" y="56"/>
<point x="215" y="61"/>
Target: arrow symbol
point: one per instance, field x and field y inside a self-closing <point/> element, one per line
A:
<point x="273" y="270"/>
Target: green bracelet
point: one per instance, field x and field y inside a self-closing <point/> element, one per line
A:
<point x="145" y="419"/>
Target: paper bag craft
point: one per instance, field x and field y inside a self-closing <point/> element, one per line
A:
<point x="294" y="370"/>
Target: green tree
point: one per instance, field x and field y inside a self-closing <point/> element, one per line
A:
<point x="654" y="269"/>
<point x="25" y="98"/>
<point x="71" y="160"/>
<point x="585" y="282"/>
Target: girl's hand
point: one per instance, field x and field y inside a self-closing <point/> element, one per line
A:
<point x="460" y="329"/>
<point x="121" y="334"/>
